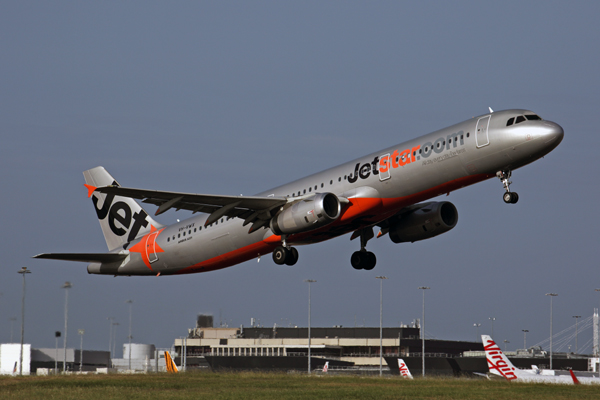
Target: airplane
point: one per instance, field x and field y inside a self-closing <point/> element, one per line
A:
<point x="499" y="364"/>
<point x="404" y="371"/>
<point x="387" y="189"/>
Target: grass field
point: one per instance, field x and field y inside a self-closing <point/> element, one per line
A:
<point x="276" y="386"/>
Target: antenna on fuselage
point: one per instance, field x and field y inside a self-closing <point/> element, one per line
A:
<point x="491" y="109"/>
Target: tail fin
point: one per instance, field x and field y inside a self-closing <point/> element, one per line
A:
<point x="326" y="366"/>
<point x="575" y="380"/>
<point x="404" y="371"/>
<point x="171" y="367"/>
<point x="122" y="219"/>
<point x="498" y="363"/>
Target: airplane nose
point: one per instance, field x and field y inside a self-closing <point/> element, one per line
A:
<point x="553" y="132"/>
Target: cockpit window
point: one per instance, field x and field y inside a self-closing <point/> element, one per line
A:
<point x="510" y="121"/>
<point x="533" y="117"/>
<point x="520" y="119"/>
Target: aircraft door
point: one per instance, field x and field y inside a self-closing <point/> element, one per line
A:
<point x="384" y="160"/>
<point x="151" y="247"/>
<point x="481" y="134"/>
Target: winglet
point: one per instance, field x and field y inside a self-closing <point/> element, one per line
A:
<point x="90" y="189"/>
<point x="575" y="380"/>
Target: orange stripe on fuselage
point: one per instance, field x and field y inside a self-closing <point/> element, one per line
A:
<point x="361" y="213"/>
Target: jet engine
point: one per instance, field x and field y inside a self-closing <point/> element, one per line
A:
<point x="430" y="220"/>
<point x="308" y="214"/>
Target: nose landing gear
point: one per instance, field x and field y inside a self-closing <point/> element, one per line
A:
<point x="508" y="197"/>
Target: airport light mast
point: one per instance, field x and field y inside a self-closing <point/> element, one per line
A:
<point x="424" y="288"/>
<point x="551" y="296"/>
<point x="576" y="344"/>
<point x="525" y="338"/>
<point x="66" y="286"/>
<point x="23" y="271"/>
<point x="130" y="302"/>
<point x="309" y="281"/>
<point x="381" y="323"/>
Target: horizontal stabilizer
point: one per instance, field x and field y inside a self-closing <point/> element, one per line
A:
<point x="84" y="257"/>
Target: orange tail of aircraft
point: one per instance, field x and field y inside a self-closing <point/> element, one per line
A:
<point x="171" y="367"/>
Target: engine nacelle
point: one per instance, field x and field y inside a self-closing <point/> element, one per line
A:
<point x="305" y="215"/>
<point x="431" y="220"/>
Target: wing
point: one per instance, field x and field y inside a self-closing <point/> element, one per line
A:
<point x="252" y="209"/>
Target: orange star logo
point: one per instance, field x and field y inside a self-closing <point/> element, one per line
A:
<point x="147" y="247"/>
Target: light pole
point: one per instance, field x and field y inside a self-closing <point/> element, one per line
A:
<point x="598" y="344"/>
<point x="130" y="302"/>
<point x="424" y="288"/>
<point x="110" y="325"/>
<point x="381" y="278"/>
<point x="576" y="319"/>
<point x="23" y="271"/>
<point x="551" y="296"/>
<point x="309" y="281"/>
<point x="492" y="319"/>
<point x="66" y="286"/>
<point x="524" y="338"/>
<point x="81" y="333"/>
<point x="477" y="337"/>
<point x="56" y="336"/>
<point x="505" y="342"/>
<point x="115" y="324"/>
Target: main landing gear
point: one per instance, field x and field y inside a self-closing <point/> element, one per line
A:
<point x="508" y="197"/>
<point x="364" y="259"/>
<point x="285" y="254"/>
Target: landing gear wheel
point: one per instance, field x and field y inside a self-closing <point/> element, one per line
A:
<point x="291" y="257"/>
<point x="510" y="197"/>
<point x="279" y="255"/>
<point x="371" y="261"/>
<point x="356" y="259"/>
<point x="363" y="260"/>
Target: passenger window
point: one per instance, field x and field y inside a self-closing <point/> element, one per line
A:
<point x="322" y="184"/>
<point x="179" y="235"/>
<point x="183" y="233"/>
<point x="331" y="182"/>
<point x="168" y="239"/>
<point x="520" y="119"/>
<point x="304" y="191"/>
<point x="510" y="121"/>
<point x="467" y="134"/>
<point x="310" y="189"/>
<point x="315" y="187"/>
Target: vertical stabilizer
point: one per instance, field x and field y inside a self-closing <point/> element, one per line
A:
<point x="122" y="219"/>
<point x="170" y="364"/>
<point x="404" y="371"/>
<point x="498" y="363"/>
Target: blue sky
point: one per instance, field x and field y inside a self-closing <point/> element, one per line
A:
<point x="238" y="97"/>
